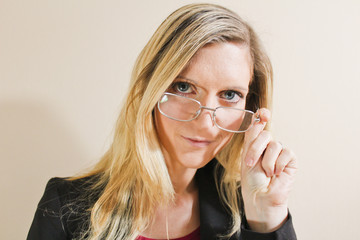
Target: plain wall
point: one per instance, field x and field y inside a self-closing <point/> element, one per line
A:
<point x="64" y="71"/>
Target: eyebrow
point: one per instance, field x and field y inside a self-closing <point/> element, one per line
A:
<point x="193" y="81"/>
<point x="188" y="79"/>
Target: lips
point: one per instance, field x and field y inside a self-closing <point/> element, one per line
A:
<point x="197" y="142"/>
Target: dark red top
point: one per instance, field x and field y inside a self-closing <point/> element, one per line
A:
<point x="195" y="235"/>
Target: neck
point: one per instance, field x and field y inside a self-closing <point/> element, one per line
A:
<point x="182" y="178"/>
<point x="184" y="181"/>
<point x="183" y="214"/>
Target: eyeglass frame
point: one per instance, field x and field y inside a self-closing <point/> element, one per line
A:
<point x="201" y="107"/>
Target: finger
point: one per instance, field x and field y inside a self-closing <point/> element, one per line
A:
<point x="264" y="115"/>
<point x="286" y="159"/>
<point x="254" y="132"/>
<point x="271" y="154"/>
<point x="257" y="148"/>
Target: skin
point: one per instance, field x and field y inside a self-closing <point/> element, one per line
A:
<point x="268" y="172"/>
<point x="212" y="76"/>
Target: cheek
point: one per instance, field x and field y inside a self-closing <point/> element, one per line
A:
<point x="225" y="139"/>
<point x="164" y="127"/>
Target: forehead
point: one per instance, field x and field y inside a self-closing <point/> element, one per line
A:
<point x="220" y="65"/>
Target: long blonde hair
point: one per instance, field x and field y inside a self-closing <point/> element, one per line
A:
<point x="132" y="177"/>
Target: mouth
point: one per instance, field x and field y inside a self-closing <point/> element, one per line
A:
<point x="197" y="142"/>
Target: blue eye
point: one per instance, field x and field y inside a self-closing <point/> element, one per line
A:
<point x="229" y="95"/>
<point x="232" y="96"/>
<point x="182" y="87"/>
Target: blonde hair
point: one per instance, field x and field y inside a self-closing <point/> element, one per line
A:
<point x="132" y="177"/>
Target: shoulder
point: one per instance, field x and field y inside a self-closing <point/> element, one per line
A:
<point x="63" y="190"/>
<point x="50" y="201"/>
<point x="55" y="188"/>
<point x="63" y="208"/>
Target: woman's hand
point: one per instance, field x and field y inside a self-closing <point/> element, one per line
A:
<point x="267" y="175"/>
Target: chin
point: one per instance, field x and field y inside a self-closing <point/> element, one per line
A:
<point x="195" y="160"/>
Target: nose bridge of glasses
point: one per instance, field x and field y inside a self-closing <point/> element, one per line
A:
<point x="202" y="115"/>
<point x="208" y="108"/>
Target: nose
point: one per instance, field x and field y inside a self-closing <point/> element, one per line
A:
<point x="205" y="118"/>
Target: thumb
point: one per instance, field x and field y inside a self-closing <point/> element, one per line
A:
<point x="264" y="115"/>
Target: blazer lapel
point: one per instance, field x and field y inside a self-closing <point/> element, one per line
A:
<point x="214" y="219"/>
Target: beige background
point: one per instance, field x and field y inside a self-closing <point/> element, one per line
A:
<point x="65" y="65"/>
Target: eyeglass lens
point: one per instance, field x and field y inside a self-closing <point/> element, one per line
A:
<point x="186" y="109"/>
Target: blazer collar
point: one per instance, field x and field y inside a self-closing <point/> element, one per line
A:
<point x="214" y="218"/>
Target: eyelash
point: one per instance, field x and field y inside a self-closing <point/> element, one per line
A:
<point x="174" y="86"/>
<point x="236" y="92"/>
<point x="236" y="98"/>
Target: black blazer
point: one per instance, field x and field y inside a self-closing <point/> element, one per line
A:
<point x="56" y="219"/>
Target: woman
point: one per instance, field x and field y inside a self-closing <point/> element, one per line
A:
<point x="187" y="160"/>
